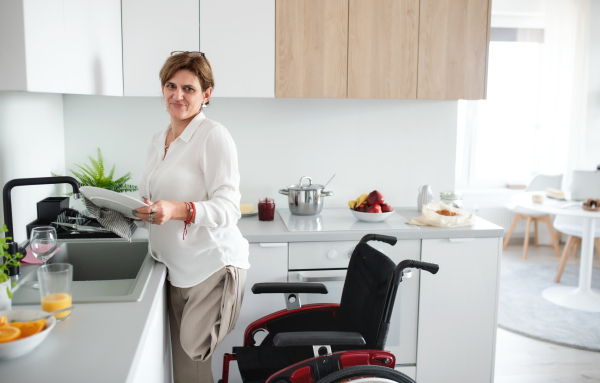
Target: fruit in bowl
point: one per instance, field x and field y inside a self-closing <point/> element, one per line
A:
<point x="21" y="331"/>
<point x="371" y="207"/>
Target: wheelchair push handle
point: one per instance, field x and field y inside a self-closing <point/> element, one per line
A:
<point x="379" y="237"/>
<point x="412" y="264"/>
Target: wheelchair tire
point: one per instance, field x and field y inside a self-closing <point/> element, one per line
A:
<point x="367" y="374"/>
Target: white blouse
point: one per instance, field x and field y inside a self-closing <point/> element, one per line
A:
<point x="200" y="166"/>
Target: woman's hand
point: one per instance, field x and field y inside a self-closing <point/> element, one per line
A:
<point x="161" y="211"/>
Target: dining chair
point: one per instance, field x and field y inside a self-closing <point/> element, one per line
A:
<point x="539" y="183"/>
<point x="573" y="227"/>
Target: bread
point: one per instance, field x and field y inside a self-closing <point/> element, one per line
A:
<point x="246" y="208"/>
<point x="446" y="212"/>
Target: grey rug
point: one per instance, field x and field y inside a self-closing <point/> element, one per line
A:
<point x="523" y="310"/>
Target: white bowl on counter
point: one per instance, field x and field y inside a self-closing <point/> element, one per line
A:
<point x="20" y="347"/>
<point x="372" y="217"/>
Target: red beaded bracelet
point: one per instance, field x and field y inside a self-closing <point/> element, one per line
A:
<point x="191" y="214"/>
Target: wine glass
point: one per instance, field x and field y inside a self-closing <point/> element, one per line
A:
<point x="43" y="241"/>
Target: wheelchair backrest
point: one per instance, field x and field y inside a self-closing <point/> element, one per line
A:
<point x="368" y="295"/>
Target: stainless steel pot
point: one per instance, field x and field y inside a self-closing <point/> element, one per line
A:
<point x="305" y="199"/>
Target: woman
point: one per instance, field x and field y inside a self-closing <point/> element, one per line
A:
<point x="191" y="182"/>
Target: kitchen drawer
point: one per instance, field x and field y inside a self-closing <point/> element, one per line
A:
<point x="336" y="255"/>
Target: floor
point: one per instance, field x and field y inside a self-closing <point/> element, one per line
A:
<point x="524" y="360"/>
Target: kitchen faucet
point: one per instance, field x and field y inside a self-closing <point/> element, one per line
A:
<point x="12" y="244"/>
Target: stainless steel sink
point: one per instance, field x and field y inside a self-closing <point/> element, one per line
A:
<point x="103" y="271"/>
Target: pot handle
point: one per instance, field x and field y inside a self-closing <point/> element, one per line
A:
<point x="305" y="178"/>
<point x="284" y="191"/>
<point x="326" y="193"/>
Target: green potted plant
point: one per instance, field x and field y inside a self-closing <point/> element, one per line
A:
<point x="94" y="175"/>
<point x="8" y="260"/>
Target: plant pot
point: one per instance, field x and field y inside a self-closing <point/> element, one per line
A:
<point x="5" y="301"/>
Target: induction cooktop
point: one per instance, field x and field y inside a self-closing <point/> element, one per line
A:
<point x="340" y="219"/>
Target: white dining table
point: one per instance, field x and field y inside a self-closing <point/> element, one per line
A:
<point x="582" y="297"/>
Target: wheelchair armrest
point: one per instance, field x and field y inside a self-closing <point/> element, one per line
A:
<point x="313" y="338"/>
<point x="289" y="288"/>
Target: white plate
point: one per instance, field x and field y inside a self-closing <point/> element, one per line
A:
<point x="112" y="200"/>
<point x="372" y="217"/>
<point x="249" y="214"/>
<point x="23" y="346"/>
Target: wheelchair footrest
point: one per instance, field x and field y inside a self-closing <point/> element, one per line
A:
<point x="289" y="288"/>
<point x="314" y="338"/>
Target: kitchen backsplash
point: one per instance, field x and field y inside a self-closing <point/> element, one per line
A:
<point x="393" y="146"/>
<point x="390" y="145"/>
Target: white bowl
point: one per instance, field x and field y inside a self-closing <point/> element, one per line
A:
<point x="372" y="217"/>
<point x="23" y="346"/>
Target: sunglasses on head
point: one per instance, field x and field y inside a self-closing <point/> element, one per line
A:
<point x="189" y="53"/>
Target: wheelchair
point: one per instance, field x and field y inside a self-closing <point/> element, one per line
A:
<point x="323" y="342"/>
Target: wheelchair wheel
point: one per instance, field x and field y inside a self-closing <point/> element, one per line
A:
<point x="367" y="374"/>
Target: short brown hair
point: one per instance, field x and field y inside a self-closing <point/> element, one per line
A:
<point x="197" y="64"/>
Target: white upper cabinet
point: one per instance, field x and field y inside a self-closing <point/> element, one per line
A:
<point x="93" y="51"/>
<point x="61" y="46"/>
<point x="238" y="38"/>
<point x="152" y="29"/>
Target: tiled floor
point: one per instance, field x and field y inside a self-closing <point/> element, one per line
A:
<point x="524" y="360"/>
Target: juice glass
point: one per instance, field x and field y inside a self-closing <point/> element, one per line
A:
<point x="55" y="281"/>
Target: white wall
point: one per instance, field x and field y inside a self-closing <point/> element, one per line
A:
<point x="593" y="107"/>
<point x="389" y="145"/>
<point x="31" y="145"/>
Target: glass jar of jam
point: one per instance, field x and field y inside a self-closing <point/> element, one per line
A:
<point x="266" y="209"/>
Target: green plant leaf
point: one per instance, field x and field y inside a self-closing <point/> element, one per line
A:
<point x="93" y="174"/>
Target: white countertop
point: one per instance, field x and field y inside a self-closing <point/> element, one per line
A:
<point x="98" y="343"/>
<point x="256" y="231"/>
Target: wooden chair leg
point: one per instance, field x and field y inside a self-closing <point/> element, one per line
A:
<point x="526" y="244"/>
<point x="563" y="259"/>
<point x="535" y="232"/>
<point x="576" y="242"/>
<point x="553" y="235"/>
<point x="510" y="230"/>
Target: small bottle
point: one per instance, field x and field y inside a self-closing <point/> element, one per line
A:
<point x="266" y="209"/>
<point x="425" y="196"/>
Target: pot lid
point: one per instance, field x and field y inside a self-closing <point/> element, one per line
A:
<point x="303" y="185"/>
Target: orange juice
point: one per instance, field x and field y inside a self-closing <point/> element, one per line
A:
<point x="55" y="302"/>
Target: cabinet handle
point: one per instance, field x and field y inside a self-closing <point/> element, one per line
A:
<point x="456" y="240"/>
<point x="268" y="244"/>
<point x="323" y="278"/>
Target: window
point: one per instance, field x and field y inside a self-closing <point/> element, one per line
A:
<point x="499" y="139"/>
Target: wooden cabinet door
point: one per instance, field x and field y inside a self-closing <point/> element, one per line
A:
<point x="311" y="48"/>
<point x="383" y="48"/>
<point x="453" y="49"/>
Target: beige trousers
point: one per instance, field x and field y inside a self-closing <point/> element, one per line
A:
<point x="200" y="317"/>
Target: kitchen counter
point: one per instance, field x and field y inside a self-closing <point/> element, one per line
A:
<point x="256" y="231"/>
<point x="100" y="342"/>
<point x="108" y="342"/>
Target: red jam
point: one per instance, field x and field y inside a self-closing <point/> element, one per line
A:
<point x="266" y="209"/>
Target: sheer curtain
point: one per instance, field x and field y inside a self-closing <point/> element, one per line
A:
<point x="534" y="118"/>
<point x="564" y="86"/>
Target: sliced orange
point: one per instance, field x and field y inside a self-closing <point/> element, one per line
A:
<point x="3" y="321"/>
<point x="8" y="333"/>
<point x="29" y="328"/>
